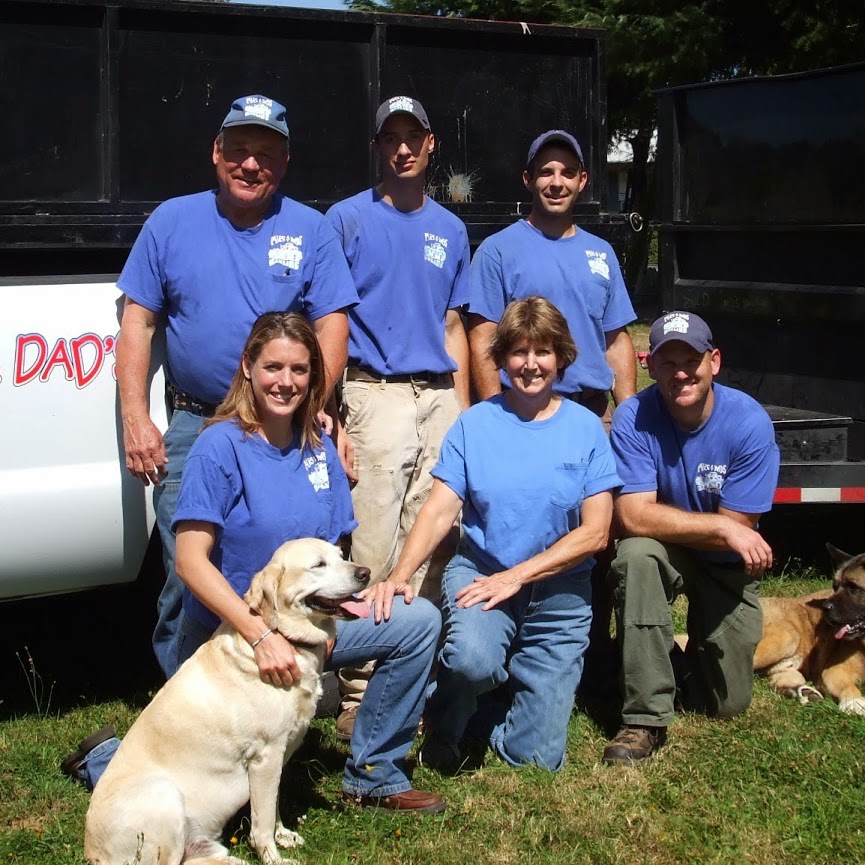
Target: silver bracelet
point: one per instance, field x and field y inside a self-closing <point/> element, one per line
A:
<point x="267" y="633"/>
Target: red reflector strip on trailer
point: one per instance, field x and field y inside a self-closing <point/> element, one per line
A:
<point x="804" y="495"/>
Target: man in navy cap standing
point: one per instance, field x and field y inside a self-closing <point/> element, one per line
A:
<point x="547" y="254"/>
<point x="205" y="266"/>
<point x="699" y="466"/>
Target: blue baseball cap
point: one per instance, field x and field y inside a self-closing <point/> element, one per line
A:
<point x="555" y="136"/>
<point x="681" y="326"/>
<point x="257" y="110"/>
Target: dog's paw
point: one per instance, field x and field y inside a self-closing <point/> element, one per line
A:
<point x="853" y="706"/>
<point x="287" y="838"/>
<point x="806" y="694"/>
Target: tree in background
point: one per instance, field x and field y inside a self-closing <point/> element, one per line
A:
<point x="662" y="43"/>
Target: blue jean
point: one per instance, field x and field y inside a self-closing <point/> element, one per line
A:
<point x="386" y="723"/>
<point x="179" y="438"/>
<point x="512" y="671"/>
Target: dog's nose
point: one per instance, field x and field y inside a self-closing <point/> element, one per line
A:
<point x="362" y="574"/>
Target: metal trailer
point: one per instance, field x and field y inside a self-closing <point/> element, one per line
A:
<point x="111" y="107"/>
<point x="762" y="232"/>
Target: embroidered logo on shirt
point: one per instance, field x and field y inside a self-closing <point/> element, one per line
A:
<point x="285" y="250"/>
<point x="435" y="250"/>
<point x="598" y="263"/>
<point x="710" y="478"/>
<point x="316" y="471"/>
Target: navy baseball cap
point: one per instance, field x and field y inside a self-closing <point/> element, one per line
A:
<point x="681" y="326"/>
<point x="555" y="136"/>
<point x="256" y="110"/>
<point x="400" y="105"/>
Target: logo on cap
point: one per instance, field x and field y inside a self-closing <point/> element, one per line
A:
<point x="257" y="107"/>
<point x="676" y="322"/>
<point x="400" y="103"/>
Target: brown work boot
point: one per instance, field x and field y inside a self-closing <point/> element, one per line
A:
<point x="409" y="802"/>
<point x="345" y="723"/>
<point x="634" y="744"/>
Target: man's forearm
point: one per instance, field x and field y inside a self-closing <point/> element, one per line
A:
<point x="332" y="333"/>
<point x="674" y="526"/>
<point x="485" y="376"/>
<point x="457" y="347"/>
<point x="623" y="361"/>
<point x="132" y="356"/>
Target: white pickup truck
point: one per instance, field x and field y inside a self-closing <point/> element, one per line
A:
<point x="71" y="516"/>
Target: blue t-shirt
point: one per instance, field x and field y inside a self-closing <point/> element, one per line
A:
<point x="259" y="497"/>
<point x="213" y="280"/>
<point x="523" y="482"/>
<point x="579" y="274"/>
<point x="409" y="270"/>
<point x="731" y="460"/>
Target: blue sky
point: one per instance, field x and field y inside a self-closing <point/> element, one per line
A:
<point x="304" y="4"/>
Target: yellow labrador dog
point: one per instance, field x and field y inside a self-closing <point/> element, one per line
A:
<point x="818" y="637"/>
<point x="216" y="735"/>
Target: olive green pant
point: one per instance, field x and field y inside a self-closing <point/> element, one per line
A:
<point x="725" y="623"/>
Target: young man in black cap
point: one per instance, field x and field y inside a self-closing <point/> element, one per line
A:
<point x="699" y="466"/>
<point x="407" y="375"/>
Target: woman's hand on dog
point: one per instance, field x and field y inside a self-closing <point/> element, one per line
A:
<point x="277" y="662"/>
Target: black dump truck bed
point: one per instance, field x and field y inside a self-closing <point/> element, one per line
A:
<point x="113" y="107"/>
<point x="762" y="231"/>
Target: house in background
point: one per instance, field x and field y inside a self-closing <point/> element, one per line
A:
<point x="620" y="157"/>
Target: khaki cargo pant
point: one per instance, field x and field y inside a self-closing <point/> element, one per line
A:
<point x="725" y="623"/>
<point x="397" y="430"/>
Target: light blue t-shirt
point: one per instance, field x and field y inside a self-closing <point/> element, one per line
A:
<point x="213" y="280"/>
<point x="731" y="460"/>
<point x="259" y="497"/>
<point x="523" y="482"/>
<point x="579" y="274"/>
<point x="409" y="270"/>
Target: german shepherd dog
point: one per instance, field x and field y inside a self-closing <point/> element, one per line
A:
<point x="818" y="638"/>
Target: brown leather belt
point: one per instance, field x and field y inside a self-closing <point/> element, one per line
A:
<point x="181" y="401"/>
<point x="360" y="373"/>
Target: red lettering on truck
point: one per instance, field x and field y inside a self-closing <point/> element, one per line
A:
<point x="81" y="358"/>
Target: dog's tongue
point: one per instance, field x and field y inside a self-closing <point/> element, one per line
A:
<point x="841" y="632"/>
<point x="356" y="607"/>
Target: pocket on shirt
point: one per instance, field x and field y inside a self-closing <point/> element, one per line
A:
<point x="287" y="290"/>
<point x="569" y="485"/>
<point x="597" y="295"/>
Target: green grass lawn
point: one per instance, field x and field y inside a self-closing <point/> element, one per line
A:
<point x="781" y="784"/>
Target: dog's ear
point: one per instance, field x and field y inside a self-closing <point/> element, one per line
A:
<point x="261" y="596"/>
<point x="838" y="556"/>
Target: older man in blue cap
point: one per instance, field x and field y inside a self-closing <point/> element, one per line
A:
<point x="699" y="465"/>
<point x="205" y="266"/>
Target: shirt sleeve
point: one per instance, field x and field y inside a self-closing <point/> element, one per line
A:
<point x="601" y="474"/>
<point x="487" y="283"/>
<point x="329" y="286"/>
<point x="206" y="492"/>
<point x="342" y="516"/>
<point x="752" y="476"/>
<point x="451" y="466"/>
<point x="634" y="460"/>
<point x="142" y="279"/>
<point x="619" y="311"/>
<point x="460" y="291"/>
